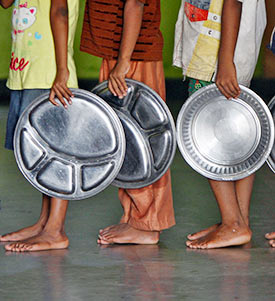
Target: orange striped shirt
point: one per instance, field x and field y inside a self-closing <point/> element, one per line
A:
<point x="103" y="25"/>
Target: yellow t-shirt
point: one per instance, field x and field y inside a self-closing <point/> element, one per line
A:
<point x="33" y="63"/>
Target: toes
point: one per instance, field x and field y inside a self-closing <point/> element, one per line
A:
<point x="107" y="236"/>
<point x="270" y="235"/>
<point x="18" y="247"/>
<point x="188" y="243"/>
<point x="107" y="229"/>
<point x="103" y="242"/>
<point x="8" y="247"/>
<point x="203" y="246"/>
<point x="190" y="236"/>
<point x="191" y="245"/>
<point x="4" y="238"/>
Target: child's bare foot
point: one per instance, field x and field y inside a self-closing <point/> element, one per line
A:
<point x="125" y="234"/>
<point x="203" y="232"/>
<point x="23" y="233"/>
<point x="271" y="237"/>
<point x="223" y="236"/>
<point x="43" y="241"/>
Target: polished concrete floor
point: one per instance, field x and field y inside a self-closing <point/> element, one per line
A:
<point x="167" y="271"/>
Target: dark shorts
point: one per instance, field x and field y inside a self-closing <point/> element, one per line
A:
<point x="19" y="100"/>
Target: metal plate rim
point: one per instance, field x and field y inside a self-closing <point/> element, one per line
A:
<point x="130" y="185"/>
<point x="270" y="161"/>
<point x="115" y="120"/>
<point x="210" y="175"/>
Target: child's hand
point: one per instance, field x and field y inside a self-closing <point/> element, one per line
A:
<point x="60" y="89"/>
<point x="226" y="80"/>
<point x="116" y="83"/>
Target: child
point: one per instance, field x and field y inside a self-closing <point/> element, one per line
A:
<point x="126" y="34"/>
<point x="196" y="51"/>
<point x="271" y="236"/>
<point x="41" y="61"/>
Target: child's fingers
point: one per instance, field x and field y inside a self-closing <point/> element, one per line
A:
<point x="233" y="89"/>
<point x="229" y="89"/>
<point x="52" y="98"/>
<point x="116" y="87"/>
<point x="223" y="91"/>
<point x="111" y="88"/>
<point x="61" y="99"/>
<point x="121" y="84"/>
<point x="65" y="93"/>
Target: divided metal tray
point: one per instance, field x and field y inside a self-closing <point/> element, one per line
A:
<point x="150" y="133"/>
<point x="225" y="139"/>
<point x="70" y="153"/>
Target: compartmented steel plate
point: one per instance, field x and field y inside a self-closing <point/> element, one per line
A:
<point x="271" y="158"/>
<point x="225" y="139"/>
<point x="70" y="153"/>
<point x="150" y="134"/>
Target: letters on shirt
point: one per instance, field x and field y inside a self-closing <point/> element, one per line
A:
<point x="17" y="64"/>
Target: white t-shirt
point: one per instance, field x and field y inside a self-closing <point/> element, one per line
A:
<point x="197" y="38"/>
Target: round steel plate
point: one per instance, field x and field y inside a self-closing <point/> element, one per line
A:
<point x="271" y="158"/>
<point x="150" y="134"/>
<point x="70" y="153"/>
<point x="224" y="139"/>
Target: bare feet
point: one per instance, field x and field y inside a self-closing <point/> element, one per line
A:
<point x="22" y="234"/>
<point x="43" y="241"/>
<point x="223" y="236"/>
<point x="271" y="237"/>
<point x="203" y="232"/>
<point x="125" y="234"/>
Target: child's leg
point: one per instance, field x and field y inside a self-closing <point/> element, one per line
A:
<point x="52" y="236"/>
<point x="243" y="189"/>
<point x="19" y="100"/>
<point x="233" y="229"/>
<point x="147" y="210"/>
<point x="33" y="230"/>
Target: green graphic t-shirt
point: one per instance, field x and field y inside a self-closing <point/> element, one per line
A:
<point x="33" y="63"/>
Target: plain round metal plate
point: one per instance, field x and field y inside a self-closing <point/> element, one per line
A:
<point x="150" y="134"/>
<point x="271" y="158"/>
<point x="70" y="153"/>
<point x="224" y="139"/>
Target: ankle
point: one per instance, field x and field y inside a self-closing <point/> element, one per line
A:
<point x="53" y="231"/>
<point x="236" y="224"/>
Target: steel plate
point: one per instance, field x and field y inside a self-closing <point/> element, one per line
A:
<point x="70" y="153"/>
<point x="224" y="139"/>
<point x="271" y="158"/>
<point x="150" y="134"/>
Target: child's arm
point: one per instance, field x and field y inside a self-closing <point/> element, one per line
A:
<point x="226" y="79"/>
<point x="6" y="3"/>
<point x="59" y="25"/>
<point x="132" y="20"/>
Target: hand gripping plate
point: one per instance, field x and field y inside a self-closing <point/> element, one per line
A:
<point x="150" y="133"/>
<point x="70" y="153"/>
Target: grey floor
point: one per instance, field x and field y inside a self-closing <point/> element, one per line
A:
<point x="167" y="271"/>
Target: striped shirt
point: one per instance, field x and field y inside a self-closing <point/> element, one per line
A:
<point x="103" y="25"/>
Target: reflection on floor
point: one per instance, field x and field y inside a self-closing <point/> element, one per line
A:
<point x="167" y="271"/>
